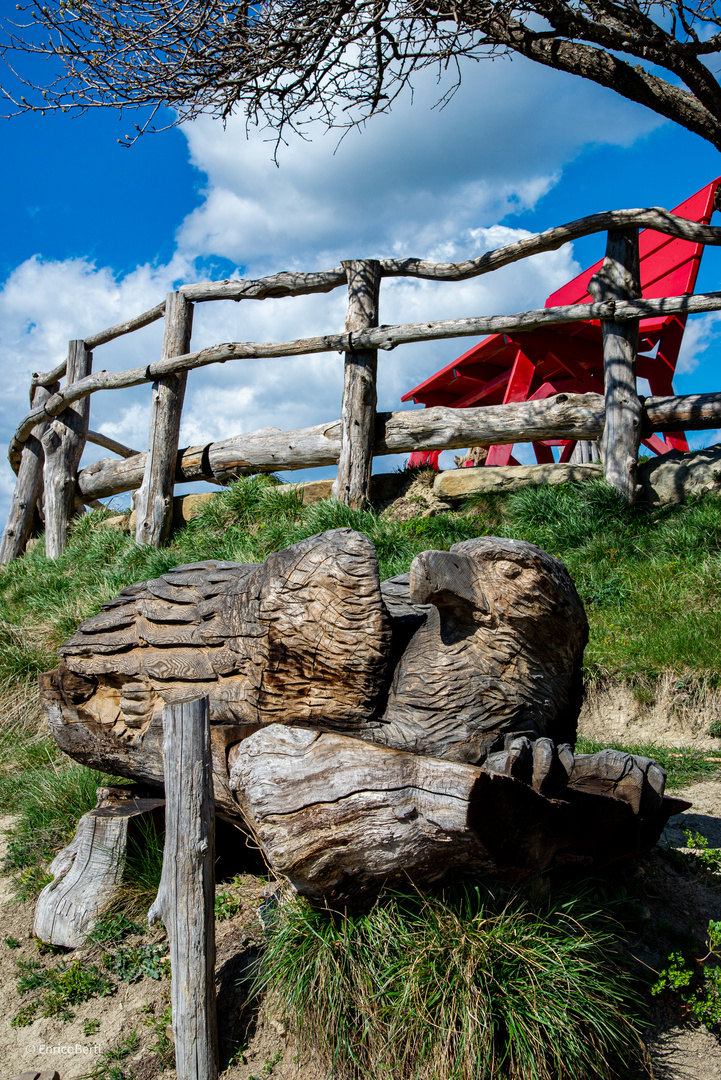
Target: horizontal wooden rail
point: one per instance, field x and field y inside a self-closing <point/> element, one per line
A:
<point x="137" y="323"/>
<point x="563" y="416"/>
<point x="651" y="218"/>
<point x="45" y="378"/>
<point x="382" y="337"/>
<point x="286" y="283"/>
<point x="110" y="444"/>
<point x="290" y="283"/>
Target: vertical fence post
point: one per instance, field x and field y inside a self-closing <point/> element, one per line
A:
<point x="186" y="898"/>
<point x="28" y="487"/>
<point x="63" y="444"/>
<point x="619" y="279"/>
<point x="358" y="413"/>
<point x="154" y="500"/>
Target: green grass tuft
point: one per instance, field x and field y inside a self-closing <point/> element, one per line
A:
<point x="650" y="576"/>
<point x="455" y="987"/>
<point x="683" y="764"/>
<point x="48" y="805"/>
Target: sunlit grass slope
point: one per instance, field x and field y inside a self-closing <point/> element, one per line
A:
<point x="650" y="578"/>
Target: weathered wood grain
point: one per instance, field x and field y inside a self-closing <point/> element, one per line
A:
<point x="485" y="640"/>
<point x="305" y="637"/>
<point x="290" y="283"/>
<point x="500" y="651"/>
<point x="286" y="283"/>
<point x="437" y="710"/>
<point x="293" y="283"/>
<point x="585" y="452"/>
<point x="89" y="871"/>
<point x="48" y="378"/>
<point x="339" y="818"/>
<point x="358" y="410"/>
<point x="154" y="501"/>
<point x="270" y="450"/>
<point x="186" y="898"/>
<point x="655" y="218"/>
<point x="618" y="280"/>
<point x="63" y="444"/>
<point x="28" y="487"/>
<point x="687" y="412"/>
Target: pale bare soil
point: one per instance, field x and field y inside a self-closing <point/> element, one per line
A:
<point x="674" y="715"/>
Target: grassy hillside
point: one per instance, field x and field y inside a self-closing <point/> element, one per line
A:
<point x="650" y="578"/>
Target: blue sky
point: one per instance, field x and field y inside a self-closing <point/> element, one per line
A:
<point x="93" y="232"/>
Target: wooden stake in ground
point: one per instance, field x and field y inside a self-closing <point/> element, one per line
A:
<point x="154" y="502"/>
<point x="358" y="413"/>
<point x="63" y="444"/>
<point x="619" y="280"/>
<point x="186" y="898"/>
<point x="28" y="488"/>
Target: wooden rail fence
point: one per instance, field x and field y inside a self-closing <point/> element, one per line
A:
<point x="46" y="448"/>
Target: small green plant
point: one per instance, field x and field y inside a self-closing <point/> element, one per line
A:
<point x="238" y="1055"/>
<point x="46" y="948"/>
<point x="708" y="857"/>
<point x="90" y="1027"/>
<point x="643" y="693"/>
<point x="268" y="1065"/>
<point x="30" y="882"/>
<point x="129" y="963"/>
<point x="113" y="928"/>
<point x="109" y="1065"/>
<point x="57" y="989"/>
<point x="696" y="983"/>
<point x="12" y="943"/>
<point x="227" y="904"/>
<point x="160" y="1026"/>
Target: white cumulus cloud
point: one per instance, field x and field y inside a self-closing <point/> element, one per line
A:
<point x="431" y="183"/>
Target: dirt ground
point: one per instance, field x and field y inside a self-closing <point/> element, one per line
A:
<point x="665" y="712"/>
<point x="260" y="1047"/>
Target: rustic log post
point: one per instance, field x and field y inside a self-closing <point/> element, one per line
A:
<point x="585" y="452"/>
<point x="358" y="414"/>
<point x="63" y="444"/>
<point x="186" y="898"/>
<point x="154" y="504"/>
<point x="28" y="487"/>
<point x="619" y="279"/>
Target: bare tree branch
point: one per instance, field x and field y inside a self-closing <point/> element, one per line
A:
<point x="286" y="63"/>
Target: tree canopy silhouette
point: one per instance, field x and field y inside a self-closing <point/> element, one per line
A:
<point x="286" y="63"/>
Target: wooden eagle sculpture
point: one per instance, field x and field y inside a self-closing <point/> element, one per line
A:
<point x="367" y="731"/>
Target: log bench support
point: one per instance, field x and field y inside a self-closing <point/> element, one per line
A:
<point x="619" y="280"/>
<point x="63" y="444"/>
<point x="89" y="871"/>
<point x="186" y="898"/>
<point x="154" y="501"/>
<point x="358" y="411"/>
